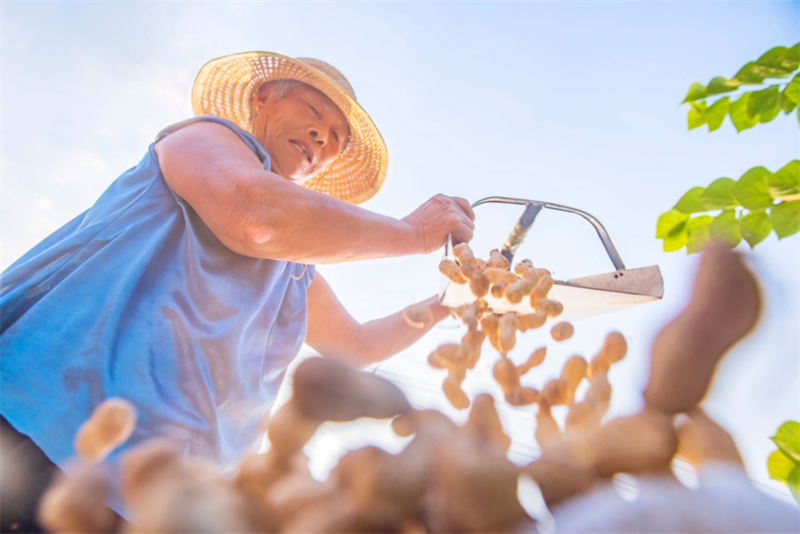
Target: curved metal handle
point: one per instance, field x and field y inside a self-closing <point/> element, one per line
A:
<point x="601" y="231"/>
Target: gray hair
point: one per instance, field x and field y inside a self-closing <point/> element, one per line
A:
<point x="279" y="88"/>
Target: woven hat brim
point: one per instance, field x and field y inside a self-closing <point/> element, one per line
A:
<point x="224" y="87"/>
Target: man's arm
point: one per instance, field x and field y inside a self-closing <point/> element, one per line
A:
<point x="257" y="213"/>
<point x="334" y="333"/>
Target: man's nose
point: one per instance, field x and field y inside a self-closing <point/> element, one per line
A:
<point x="317" y="137"/>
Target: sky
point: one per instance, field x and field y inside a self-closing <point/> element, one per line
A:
<point x="574" y="103"/>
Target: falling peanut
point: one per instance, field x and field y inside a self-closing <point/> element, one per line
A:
<point x="536" y="358"/>
<point x="574" y="370"/>
<point x="572" y="373"/>
<point x="581" y="418"/>
<point x="599" y="393"/>
<point x="562" y="331"/>
<point x="498" y="289"/>
<point x="454" y="393"/>
<point x="541" y="289"/>
<point x="484" y="421"/>
<point x="530" y="321"/>
<point x="478" y="283"/>
<point x="76" y="502"/>
<point x="516" y="291"/>
<point x="598" y="366"/>
<point x="463" y="253"/>
<point x="526" y="271"/>
<point x="507" y="331"/>
<point x="547" y="431"/>
<point x="448" y="356"/>
<point x="555" y="392"/>
<point x="614" y="347"/>
<point x="418" y="316"/>
<point x="472" y="342"/>
<point x="522" y="396"/>
<point x="469" y="314"/>
<point x="403" y="426"/>
<point x="110" y="425"/>
<point x="489" y="325"/>
<point x="497" y="260"/>
<point x="550" y="307"/>
<point x="451" y="270"/>
<point x="506" y="375"/>
<point x="500" y="275"/>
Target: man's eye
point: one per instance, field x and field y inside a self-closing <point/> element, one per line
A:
<point x="316" y="112"/>
<point x="335" y="136"/>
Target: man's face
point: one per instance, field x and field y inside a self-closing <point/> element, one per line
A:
<point x="303" y="132"/>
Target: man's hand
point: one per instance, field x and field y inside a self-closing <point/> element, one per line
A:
<point x="439" y="217"/>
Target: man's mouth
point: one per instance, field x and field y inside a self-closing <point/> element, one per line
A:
<point x="304" y="149"/>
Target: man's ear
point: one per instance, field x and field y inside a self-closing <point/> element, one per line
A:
<point x="262" y="94"/>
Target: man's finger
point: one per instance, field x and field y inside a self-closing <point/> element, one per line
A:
<point x="464" y="205"/>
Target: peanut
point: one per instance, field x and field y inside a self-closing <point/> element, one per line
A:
<point x="530" y="321"/>
<point x="451" y="270"/>
<point x="498" y="289"/>
<point x="562" y="331"/>
<point x="506" y="375"/>
<point x="507" y="331"/>
<point x="497" y="260"/>
<point x="536" y="358"/>
<point x="111" y="424"/>
<point x="526" y="271"/>
<point x="519" y="289"/>
<point x="500" y="275"/>
<point x="522" y="396"/>
<point x="454" y="393"/>
<point x="463" y="253"/>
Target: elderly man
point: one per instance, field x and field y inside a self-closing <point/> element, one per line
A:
<point x="189" y="287"/>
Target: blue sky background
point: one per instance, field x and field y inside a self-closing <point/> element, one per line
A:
<point x="576" y="103"/>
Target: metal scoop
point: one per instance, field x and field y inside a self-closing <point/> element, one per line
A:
<point x="581" y="297"/>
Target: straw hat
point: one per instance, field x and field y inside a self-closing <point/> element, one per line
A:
<point x="224" y="87"/>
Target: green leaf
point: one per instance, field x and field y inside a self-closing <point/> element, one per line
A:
<point x="716" y="113"/>
<point x="671" y="227"/>
<point x="721" y="85"/>
<point x="718" y="195"/>
<point x="786" y="218"/>
<point x="698" y="233"/>
<point x="792" y="90"/>
<point x="779" y="466"/>
<point x="787" y="438"/>
<point x="794" y="53"/>
<point x="764" y="101"/>
<point x="696" y="91"/>
<point x="755" y="227"/>
<point x="751" y="189"/>
<point x="776" y="58"/>
<point x="772" y="65"/>
<point x="794" y="483"/>
<point x="787" y="105"/>
<point x="749" y="73"/>
<point x="740" y="118"/>
<point x="724" y="229"/>
<point x="697" y="114"/>
<point x="785" y="183"/>
<point x="690" y="201"/>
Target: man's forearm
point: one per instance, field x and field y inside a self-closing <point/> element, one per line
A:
<point x="382" y="338"/>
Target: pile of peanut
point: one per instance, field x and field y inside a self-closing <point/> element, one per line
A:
<point x="448" y="477"/>
<point x="495" y="276"/>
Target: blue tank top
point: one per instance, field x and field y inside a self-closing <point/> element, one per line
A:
<point x="136" y="298"/>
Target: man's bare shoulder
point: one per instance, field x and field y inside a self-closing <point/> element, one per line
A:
<point x="198" y="134"/>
